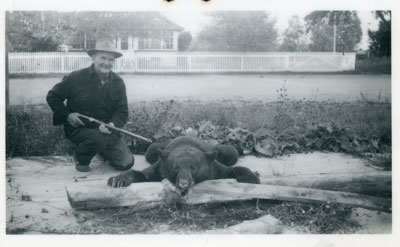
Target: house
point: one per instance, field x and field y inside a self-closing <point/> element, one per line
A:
<point x="146" y="31"/>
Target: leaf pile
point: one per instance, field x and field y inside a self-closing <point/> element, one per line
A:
<point x="269" y="143"/>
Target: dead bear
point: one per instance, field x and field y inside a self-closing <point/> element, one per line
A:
<point x="186" y="161"/>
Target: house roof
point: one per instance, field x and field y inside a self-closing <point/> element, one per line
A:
<point x="160" y="22"/>
<point x="148" y="21"/>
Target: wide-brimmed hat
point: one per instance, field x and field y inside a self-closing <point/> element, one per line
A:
<point x="105" y="45"/>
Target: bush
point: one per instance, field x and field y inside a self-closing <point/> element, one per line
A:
<point x="29" y="132"/>
<point x="267" y="129"/>
<point x="374" y="65"/>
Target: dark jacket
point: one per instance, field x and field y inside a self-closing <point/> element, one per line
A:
<point x="84" y="94"/>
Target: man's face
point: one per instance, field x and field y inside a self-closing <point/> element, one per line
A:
<point x="103" y="62"/>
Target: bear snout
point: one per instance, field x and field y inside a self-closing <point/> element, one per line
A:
<point x="183" y="183"/>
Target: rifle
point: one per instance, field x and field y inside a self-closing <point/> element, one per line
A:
<point x="115" y="128"/>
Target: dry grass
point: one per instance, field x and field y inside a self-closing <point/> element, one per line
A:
<point x="311" y="218"/>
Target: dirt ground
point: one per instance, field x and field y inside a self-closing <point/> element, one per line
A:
<point x="221" y="87"/>
<point x="37" y="201"/>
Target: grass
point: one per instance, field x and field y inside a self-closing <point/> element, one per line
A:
<point x="314" y="218"/>
<point x="354" y="127"/>
<point x="374" y="66"/>
<point x="29" y="130"/>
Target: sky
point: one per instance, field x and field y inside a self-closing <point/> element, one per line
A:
<point x="195" y="20"/>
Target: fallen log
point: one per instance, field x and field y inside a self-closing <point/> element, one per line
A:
<point x="377" y="183"/>
<point x="96" y="194"/>
<point x="224" y="190"/>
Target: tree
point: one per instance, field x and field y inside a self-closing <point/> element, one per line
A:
<point x="322" y="25"/>
<point x="88" y="26"/>
<point x="294" y="37"/>
<point x="380" y="40"/>
<point x="35" y="30"/>
<point x="184" y="40"/>
<point x="238" y="31"/>
<point x="45" y="30"/>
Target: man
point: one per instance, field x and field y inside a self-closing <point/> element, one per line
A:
<point x="96" y="92"/>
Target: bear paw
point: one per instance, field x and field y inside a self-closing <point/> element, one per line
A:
<point x="245" y="175"/>
<point x="125" y="179"/>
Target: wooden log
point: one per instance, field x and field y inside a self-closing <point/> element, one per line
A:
<point x="96" y="194"/>
<point x="377" y="183"/>
<point x="224" y="190"/>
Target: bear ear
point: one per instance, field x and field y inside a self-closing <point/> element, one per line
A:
<point x="210" y="156"/>
<point x="163" y="154"/>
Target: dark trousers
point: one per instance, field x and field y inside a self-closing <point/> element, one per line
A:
<point x="112" y="147"/>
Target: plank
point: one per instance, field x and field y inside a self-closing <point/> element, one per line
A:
<point x="224" y="190"/>
<point x="374" y="183"/>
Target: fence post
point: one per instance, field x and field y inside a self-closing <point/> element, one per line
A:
<point x="190" y="62"/>
<point x="353" y="61"/>
<point x="134" y="61"/>
<point x="241" y="63"/>
<point x="287" y="62"/>
<point x="62" y="62"/>
<point x="7" y="77"/>
<point x="343" y="60"/>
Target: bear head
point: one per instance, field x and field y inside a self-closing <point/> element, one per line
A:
<point x="186" y="166"/>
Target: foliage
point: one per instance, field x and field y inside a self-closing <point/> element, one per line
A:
<point x="317" y="218"/>
<point x="251" y="31"/>
<point x="184" y="40"/>
<point x="33" y="31"/>
<point x="29" y="132"/>
<point x="321" y="26"/>
<point x="267" y="129"/>
<point x="96" y="24"/>
<point x="320" y="218"/>
<point x="45" y="30"/>
<point x="380" y="40"/>
<point x="292" y="126"/>
<point x="374" y="65"/>
<point x="294" y="37"/>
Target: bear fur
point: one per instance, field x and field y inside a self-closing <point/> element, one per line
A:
<point x="186" y="161"/>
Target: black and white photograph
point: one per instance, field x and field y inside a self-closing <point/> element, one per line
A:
<point x="199" y="119"/>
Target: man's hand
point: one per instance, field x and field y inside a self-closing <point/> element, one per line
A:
<point x="73" y="119"/>
<point x="103" y="129"/>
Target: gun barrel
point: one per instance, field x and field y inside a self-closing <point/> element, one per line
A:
<point x="116" y="128"/>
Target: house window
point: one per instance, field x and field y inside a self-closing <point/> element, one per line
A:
<point x="156" y="42"/>
<point x="90" y="44"/>
<point x="168" y="40"/>
<point x="83" y="41"/>
<point x="149" y="44"/>
<point x="144" y="43"/>
<point x="124" y="43"/>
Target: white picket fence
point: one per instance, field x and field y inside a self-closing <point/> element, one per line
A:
<point x="186" y="62"/>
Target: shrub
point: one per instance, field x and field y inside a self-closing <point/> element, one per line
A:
<point x="29" y="132"/>
<point x="269" y="129"/>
